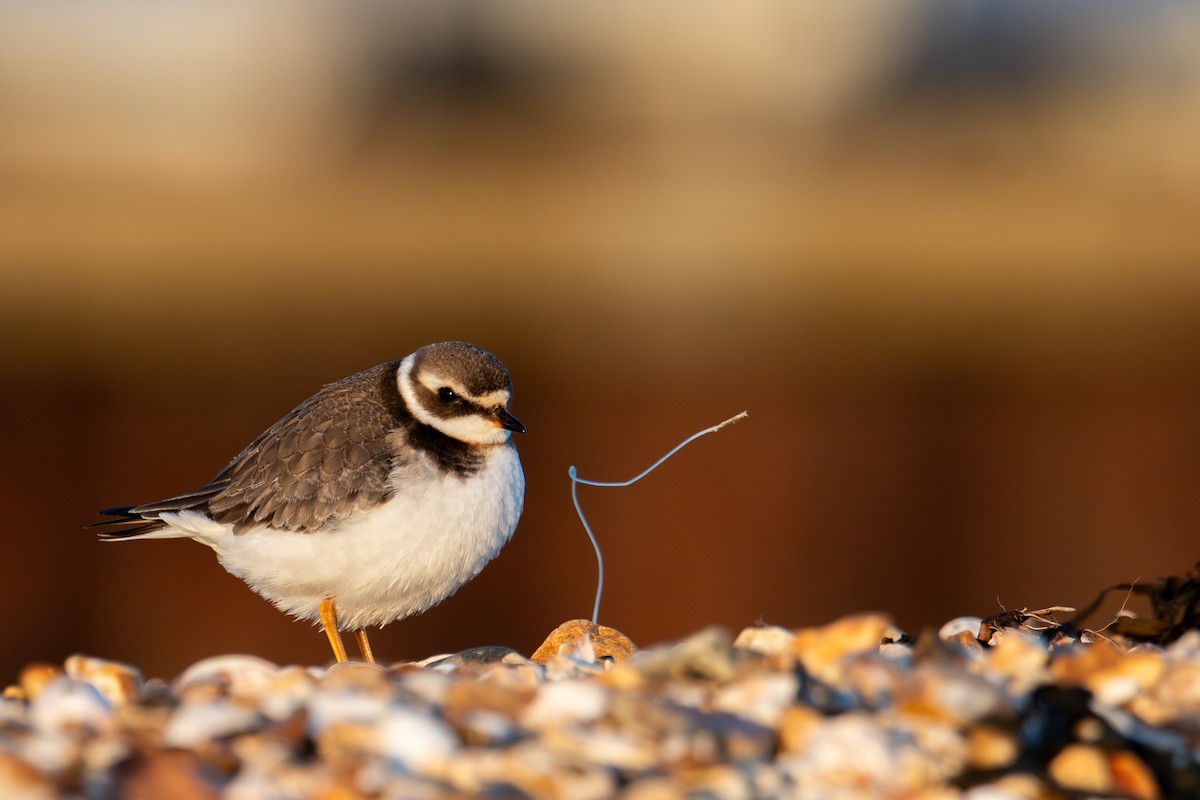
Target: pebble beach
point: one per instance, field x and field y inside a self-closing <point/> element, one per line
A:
<point x="1018" y="706"/>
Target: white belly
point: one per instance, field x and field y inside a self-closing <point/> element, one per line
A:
<point x="435" y="534"/>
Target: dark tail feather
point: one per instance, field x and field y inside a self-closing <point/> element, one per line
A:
<point x="125" y="525"/>
<point x="119" y="511"/>
<point x="196" y="499"/>
<point x="132" y="521"/>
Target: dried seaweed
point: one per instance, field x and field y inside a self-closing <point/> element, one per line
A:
<point x="1022" y="619"/>
<point x="1174" y="605"/>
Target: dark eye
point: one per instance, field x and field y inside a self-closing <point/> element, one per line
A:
<point x="447" y="395"/>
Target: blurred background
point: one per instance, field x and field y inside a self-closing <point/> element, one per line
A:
<point x="946" y="253"/>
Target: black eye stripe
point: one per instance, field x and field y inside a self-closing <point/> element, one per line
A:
<point x="446" y="403"/>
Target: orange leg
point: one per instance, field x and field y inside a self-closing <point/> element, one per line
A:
<point x="329" y="623"/>
<point x="364" y="646"/>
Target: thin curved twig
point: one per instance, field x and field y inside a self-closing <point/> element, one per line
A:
<point x="576" y="480"/>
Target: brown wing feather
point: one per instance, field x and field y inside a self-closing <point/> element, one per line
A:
<point x="325" y="460"/>
<point x="322" y="462"/>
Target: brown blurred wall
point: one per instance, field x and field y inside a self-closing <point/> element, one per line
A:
<point x="946" y="258"/>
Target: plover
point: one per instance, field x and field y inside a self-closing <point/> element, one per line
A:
<point x="373" y="500"/>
